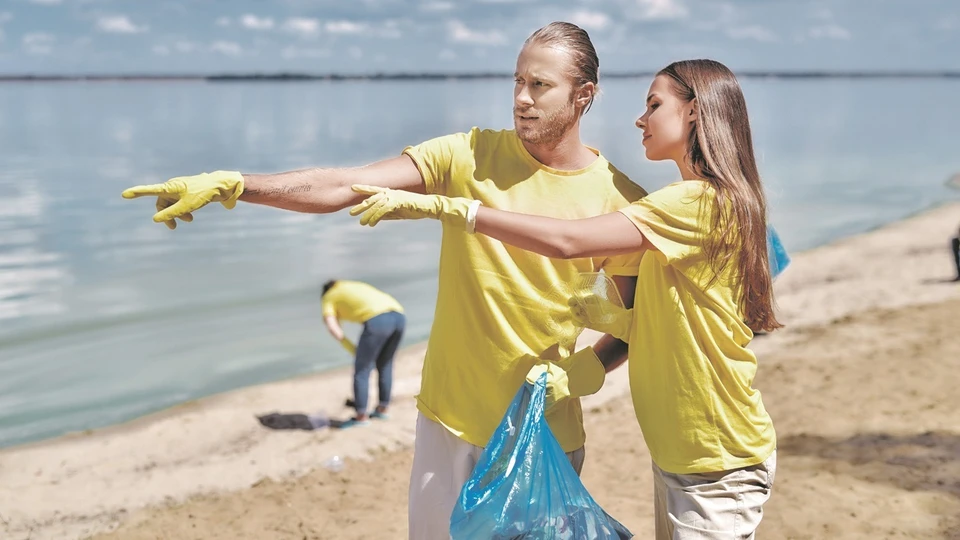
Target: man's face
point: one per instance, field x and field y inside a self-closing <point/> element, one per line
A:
<point x="543" y="104"/>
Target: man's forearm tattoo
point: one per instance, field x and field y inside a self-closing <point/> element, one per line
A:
<point x="279" y="190"/>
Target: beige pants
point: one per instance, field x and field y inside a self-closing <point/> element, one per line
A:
<point x="442" y="463"/>
<point x="725" y="505"/>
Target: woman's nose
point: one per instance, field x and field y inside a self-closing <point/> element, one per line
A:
<point x="640" y="123"/>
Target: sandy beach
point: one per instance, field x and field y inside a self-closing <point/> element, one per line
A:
<point x="861" y="386"/>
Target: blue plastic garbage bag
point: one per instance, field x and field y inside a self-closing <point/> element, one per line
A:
<point x="524" y="486"/>
<point x="779" y="259"/>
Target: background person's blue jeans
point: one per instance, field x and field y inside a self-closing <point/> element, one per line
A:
<point x="376" y="348"/>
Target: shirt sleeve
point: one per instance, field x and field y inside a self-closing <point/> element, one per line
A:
<point x="435" y="160"/>
<point x="622" y="265"/>
<point x="328" y="308"/>
<point x="675" y="220"/>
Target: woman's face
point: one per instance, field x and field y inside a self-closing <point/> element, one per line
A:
<point x="667" y="122"/>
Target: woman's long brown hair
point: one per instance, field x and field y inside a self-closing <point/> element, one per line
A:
<point x="721" y="152"/>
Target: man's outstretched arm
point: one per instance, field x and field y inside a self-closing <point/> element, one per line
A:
<point x="321" y="191"/>
<point x="309" y="190"/>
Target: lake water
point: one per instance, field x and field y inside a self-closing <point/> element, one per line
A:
<point x="106" y="316"/>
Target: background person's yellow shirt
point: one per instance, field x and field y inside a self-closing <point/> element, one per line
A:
<point x="691" y="373"/>
<point x="357" y="302"/>
<point x="493" y="317"/>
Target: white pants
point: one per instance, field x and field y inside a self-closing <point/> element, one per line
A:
<point x="725" y="505"/>
<point x="442" y="463"/>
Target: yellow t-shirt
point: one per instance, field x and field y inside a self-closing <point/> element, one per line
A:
<point x="494" y="302"/>
<point x="357" y="302"/>
<point x="690" y="369"/>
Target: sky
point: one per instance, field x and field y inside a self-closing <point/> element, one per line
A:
<point x="389" y="36"/>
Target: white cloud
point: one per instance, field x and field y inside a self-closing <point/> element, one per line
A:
<point x="947" y="24"/>
<point x="829" y="31"/>
<point x="390" y="30"/>
<point x="119" y="24"/>
<point x="161" y="50"/>
<point x="459" y="32"/>
<point x="661" y="9"/>
<point x="185" y="46"/>
<point x="344" y="27"/>
<point x="222" y="21"/>
<point x="293" y="52"/>
<point x="228" y="48"/>
<point x="591" y="20"/>
<point x="253" y="22"/>
<point x="39" y="43"/>
<point x="756" y="33"/>
<point x="355" y="52"/>
<point x="302" y="25"/>
<point x="5" y="16"/>
<point x="436" y="6"/>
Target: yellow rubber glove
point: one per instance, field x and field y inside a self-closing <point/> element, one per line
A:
<point x="596" y="312"/>
<point x="385" y="203"/>
<point x="348" y="345"/>
<point x="577" y="375"/>
<point x="178" y="197"/>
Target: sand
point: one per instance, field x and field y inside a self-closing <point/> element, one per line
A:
<point x="861" y="386"/>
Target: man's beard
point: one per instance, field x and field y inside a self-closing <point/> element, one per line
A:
<point x="549" y="129"/>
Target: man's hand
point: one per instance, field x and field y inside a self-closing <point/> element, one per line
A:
<point x="599" y="313"/>
<point x="178" y="197"/>
<point x="384" y="203"/>
<point x="577" y="375"/>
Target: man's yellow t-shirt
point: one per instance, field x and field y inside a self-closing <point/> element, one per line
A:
<point x="495" y="303"/>
<point x="691" y="373"/>
<point x="357" y="302"/>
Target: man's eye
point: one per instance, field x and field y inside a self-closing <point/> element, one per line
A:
<point x="539" y="83"/>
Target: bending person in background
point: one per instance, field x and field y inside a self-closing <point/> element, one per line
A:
<point x="703" y="288"/>
<point x="383" y="324"/>
<point x="494" y="316"/>
<point x="955" y="246"/>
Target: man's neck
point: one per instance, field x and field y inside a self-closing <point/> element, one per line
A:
<point x="567" y="154"/>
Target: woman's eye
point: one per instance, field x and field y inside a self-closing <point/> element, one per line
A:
<point x="653" y="106"/>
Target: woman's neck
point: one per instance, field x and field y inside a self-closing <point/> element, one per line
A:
<point x="686" y="171"/>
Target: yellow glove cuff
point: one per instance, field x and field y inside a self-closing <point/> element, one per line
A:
<point x="348" y="345"/>
<point x="237" y="186"/>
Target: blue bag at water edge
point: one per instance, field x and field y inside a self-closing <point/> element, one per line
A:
<point x="779" y="259"/>
<point x="524" y="486"/>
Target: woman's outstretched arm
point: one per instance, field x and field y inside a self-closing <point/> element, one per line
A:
<point x="609" y="234"/>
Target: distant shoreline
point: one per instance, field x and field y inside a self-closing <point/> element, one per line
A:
<point x="340" y="77"/>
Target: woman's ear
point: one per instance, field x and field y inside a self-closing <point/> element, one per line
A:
<point x="693" y="112"/>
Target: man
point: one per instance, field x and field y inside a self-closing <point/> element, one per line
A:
<point x="383" y="323"/>
<point x="496" y="313"/>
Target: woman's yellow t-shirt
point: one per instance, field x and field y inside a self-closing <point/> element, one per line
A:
<point x="691" y="372"/>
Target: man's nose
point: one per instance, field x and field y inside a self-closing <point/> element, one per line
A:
<point x="523" y="97"/>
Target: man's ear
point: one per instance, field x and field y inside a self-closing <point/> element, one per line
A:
<point x="584" y="94"/>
